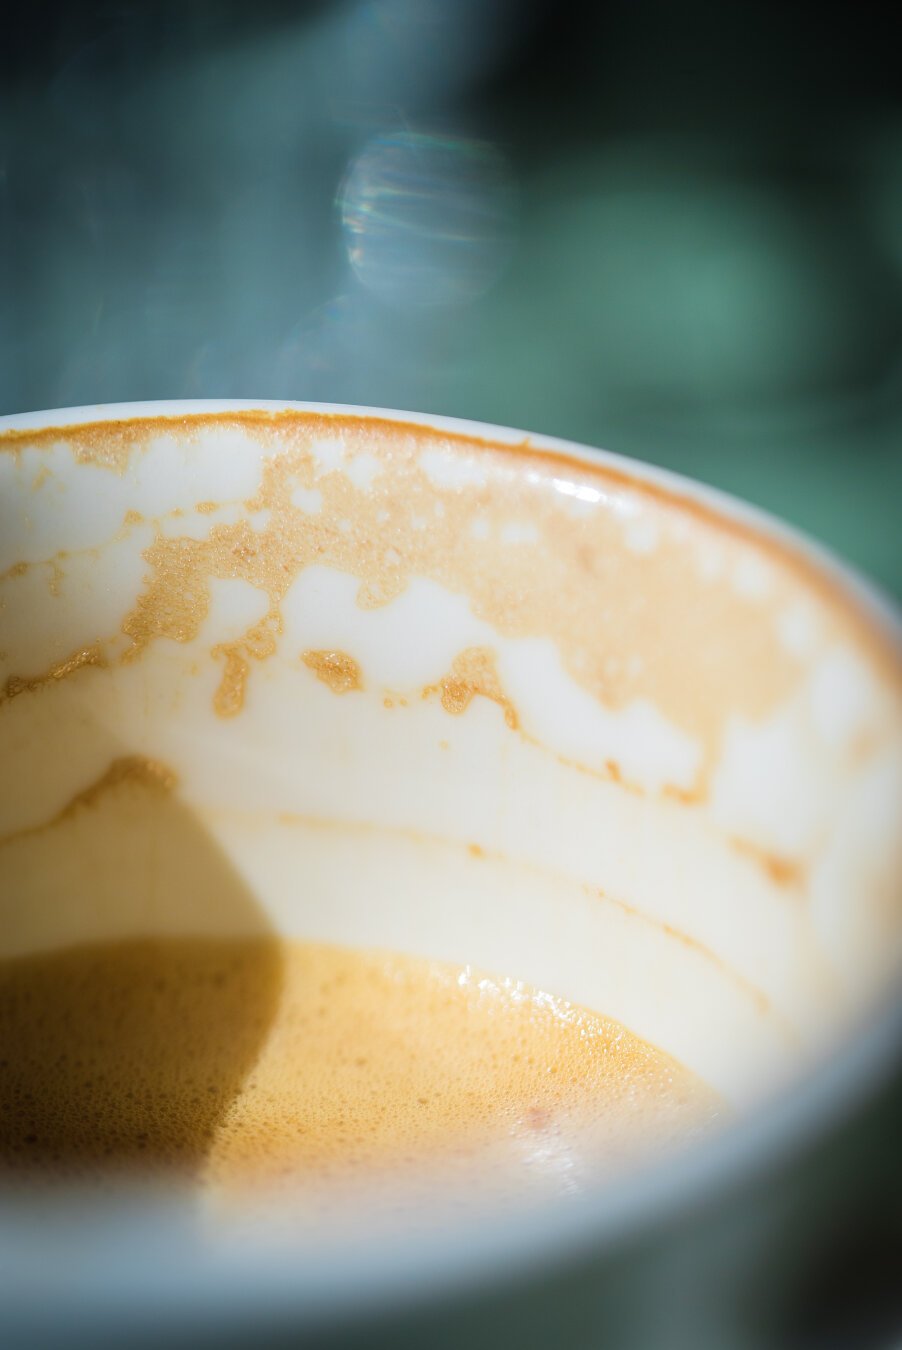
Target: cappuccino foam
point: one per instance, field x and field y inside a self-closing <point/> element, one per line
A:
<point x="247" y="1064"/>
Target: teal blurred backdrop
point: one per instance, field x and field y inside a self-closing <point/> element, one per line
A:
<point x="672" y="231"/>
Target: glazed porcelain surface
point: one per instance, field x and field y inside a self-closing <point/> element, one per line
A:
<point x="391" y="681"/>
<point x="459" y="698"/>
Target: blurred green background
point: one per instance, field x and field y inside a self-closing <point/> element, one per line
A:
<point x="674" y="231"/>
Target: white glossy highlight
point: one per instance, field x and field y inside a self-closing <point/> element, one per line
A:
<point x="580" y="491"/>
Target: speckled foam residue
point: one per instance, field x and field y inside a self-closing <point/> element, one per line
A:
<point x="597" y="599"/>
<point x="253" y="1063"/>
<point x="338" y="671"/>
<point x="543" y="547"/>
<point x="556" y="580"/>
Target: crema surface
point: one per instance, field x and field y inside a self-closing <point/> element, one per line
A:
<point x="247" y="1065"/>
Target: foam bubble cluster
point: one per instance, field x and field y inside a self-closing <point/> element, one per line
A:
<point x="246" y="1064"/>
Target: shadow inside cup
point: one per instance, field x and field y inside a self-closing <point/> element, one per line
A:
<point x="138" y="980"/>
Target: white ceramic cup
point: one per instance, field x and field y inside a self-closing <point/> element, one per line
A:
<point x="445" y="689"/>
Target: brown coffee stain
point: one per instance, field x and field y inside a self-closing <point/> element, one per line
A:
<point x="109" y="443"/>
<point x="337" y="670"/>
<point x="258" y="643"/>
<point x="473" y="673"/>
<point x="758" y="997"/>
<point x="788" y="872"/>
<point x="229" y="697"/>
<point x="139" y="769"/>
<point x="685" y="796"/>
<point x="56" y="578"/>
<point x="132" y="518"/>
<point x="627" y="625"/>
<point x="206" y="508"/>
<point x="25" y="684"/>
<point x="762" y="1002"/>
<point x="176" y="607"/>
<point x="610" y="772"/>
<point x="152" y="773"/>
<point x="522" y="591"/>
<point x="105" y="445"/>
<point x="111" y="450"/>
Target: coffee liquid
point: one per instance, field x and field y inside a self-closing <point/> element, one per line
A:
<point x="241" y="1064"/>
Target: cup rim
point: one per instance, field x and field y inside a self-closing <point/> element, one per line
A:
<point x="610" y="1214"/>
<point x="866" y="595"/>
